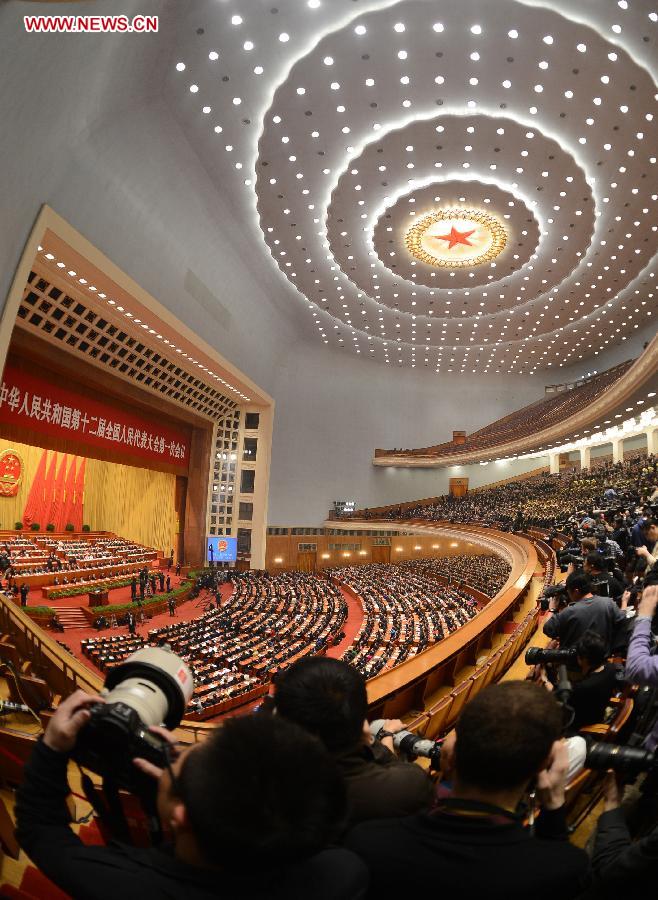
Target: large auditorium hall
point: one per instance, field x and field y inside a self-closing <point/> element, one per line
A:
<point x="328" y="449"/>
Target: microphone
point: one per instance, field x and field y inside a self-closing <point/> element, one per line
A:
<point x="7" y="707"/>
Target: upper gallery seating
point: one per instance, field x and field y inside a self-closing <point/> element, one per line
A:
<point x="526" y="421"/>
<point x="404" y="612"/>
<point x="543" y="500"/>
<point x="266" y="623"/>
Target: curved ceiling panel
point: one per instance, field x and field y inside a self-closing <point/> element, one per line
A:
<point x="531" y="135"/>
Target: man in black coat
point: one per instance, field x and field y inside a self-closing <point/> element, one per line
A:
<point x="24" y="592"/>
<point x="221" y="818"/>
<point x="133" y="588"/>
<point x="328" y="698"/>
<point x="475" y="843"/>
<point x="161" y="579"/>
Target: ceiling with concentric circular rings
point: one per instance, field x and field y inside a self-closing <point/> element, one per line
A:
<point x="464" y="187"/>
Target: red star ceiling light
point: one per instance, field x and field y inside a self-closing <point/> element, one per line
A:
<point x="456" y="238"/>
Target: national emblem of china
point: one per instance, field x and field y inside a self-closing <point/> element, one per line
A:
<point x="456" y="238"/>
<point x="11" y="472"/>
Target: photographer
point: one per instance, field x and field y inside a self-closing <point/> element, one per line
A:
<point x="584" y="612"/>
<point x="618" y="863"/>
<point x="649" y="550"/>
<point x="474" y="843"/>
<point x="641" y="665"/>
<point x="590" y="696"/>
<point x="328" y="698"/>
<point x="605" y="583"/>
<point x="224" y="807"/>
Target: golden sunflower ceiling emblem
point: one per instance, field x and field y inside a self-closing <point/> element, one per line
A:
<point x="456" y="238"/>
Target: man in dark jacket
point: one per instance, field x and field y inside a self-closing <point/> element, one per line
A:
<point x="327" y="697"/>
<point x="223" y="808"/>
<point x="585" y="612"/>
<point x="475" y="843"/>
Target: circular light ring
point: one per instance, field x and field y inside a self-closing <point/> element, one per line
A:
<point x="360" y="256"/>
<point x="414" y="236"/>
<point x="522" y="247"/>
<point x="280" y="188"/>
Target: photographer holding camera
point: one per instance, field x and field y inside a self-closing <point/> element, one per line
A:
<point x="604" y="582"/>
<point x="584" y="612"/>
<point x="589" y="696"/>
<point x="224" y="806"/>
<point x="327" y="697"/>
<point x="641" y="663"/>
<point x="475" y="843"/>
<point x="649" y="549"/>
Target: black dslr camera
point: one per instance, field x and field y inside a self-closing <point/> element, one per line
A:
<point x="627" y="761"/>
<point x="558" y="591"/>
<point x="151" y="687"/>
<point x="538" y="656"/>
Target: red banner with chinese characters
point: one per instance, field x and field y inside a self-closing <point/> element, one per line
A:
<point x="30" y="401"/>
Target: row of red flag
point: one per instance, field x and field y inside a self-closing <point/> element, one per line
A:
<point x="57" y="492"/>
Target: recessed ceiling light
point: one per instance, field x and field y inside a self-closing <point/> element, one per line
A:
<point x="438" y="27"/>
<point x="248" y="45"/>
<point x="258" y="70"/>
<point x="284" y="37"/>
<point x="328" y="60"/>
<point x="399" y="27"/>
<point x="194" y="88"/>
<point x="476" y="29"/>
<point x="548" y="39"/>
<point x="360" y="29"/>
<point x="236" y="20"/>
<point x="180" y="67"/>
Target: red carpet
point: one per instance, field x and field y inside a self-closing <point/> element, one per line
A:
<point x="351" y="626"/>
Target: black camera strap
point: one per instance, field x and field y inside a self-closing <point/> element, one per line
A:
<point x="107" y="807"/>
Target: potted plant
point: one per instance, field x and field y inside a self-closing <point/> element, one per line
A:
<point x="69" y="527"/>
<point x="35" y="526"/>
<point x="50" y="527"/>
<point x="18" y="526"/>
<point x="86" y="528"/>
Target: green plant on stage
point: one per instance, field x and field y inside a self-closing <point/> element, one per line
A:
<point x="18" y="526"/>
<point x="50" y="527"/>
<point x="35" y="526"/>
<point x="86" y="528"/>
<point x="182" y="588"/>
<point x="69" y="527"/>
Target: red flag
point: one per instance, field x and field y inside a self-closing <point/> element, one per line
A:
<point x="41" y="514"/>
<point x="78" y="502"/>
<point x="67" y="505"/>
<point x="35" y="498"/>
<point x="58" y="494"/>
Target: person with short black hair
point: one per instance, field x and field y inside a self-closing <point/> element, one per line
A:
<point x="591" y="695"/>
<point x="474" y="843"/>
<point x="649" y="550"/>
<point x="328" y="698"/>
<point x="251" y="811"/>
<point x="595" y="566"/>
<point x="584" y="612"/>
